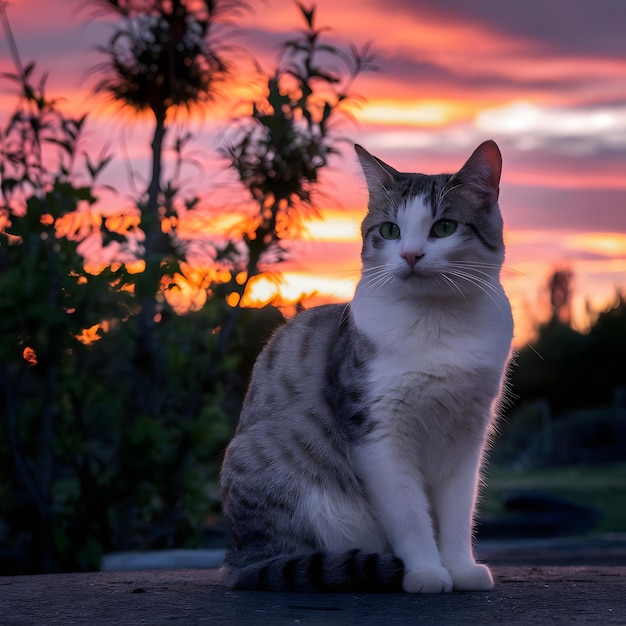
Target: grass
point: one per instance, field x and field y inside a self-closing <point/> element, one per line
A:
<point x="602" y="487"/>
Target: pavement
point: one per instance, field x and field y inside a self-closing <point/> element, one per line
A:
<point x="536" y="582"/>
<point x="522" y="595"/>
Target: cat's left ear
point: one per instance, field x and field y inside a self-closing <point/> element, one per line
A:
<point x="482" y="171"/>
<point x="379" y="176"/>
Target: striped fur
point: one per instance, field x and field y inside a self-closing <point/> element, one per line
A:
<point x="356" y="460"/>
<point x="348" y="572"/>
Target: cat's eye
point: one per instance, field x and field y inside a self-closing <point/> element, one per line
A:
<point x="443" y="228"/>
<point x="389" y="230"/>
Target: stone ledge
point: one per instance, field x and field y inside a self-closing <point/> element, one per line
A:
<point x="523" y="595"/>
<point x="162" y="559"/>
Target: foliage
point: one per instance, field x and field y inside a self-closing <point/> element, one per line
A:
<point x="164" y="54"/>
<point x="567" y="395"/>
<point x="570" y="369"/>
<point x="46" y="301"/>
<point x="279" y="150"/>
<point x="105" y="449"/>
<point x="560" y="287"/>
<point x="115" y="409"/>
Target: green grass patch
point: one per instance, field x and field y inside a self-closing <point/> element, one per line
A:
<point x="602" y="487"/>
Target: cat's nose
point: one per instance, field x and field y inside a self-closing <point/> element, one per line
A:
<point x="411" y="258"/>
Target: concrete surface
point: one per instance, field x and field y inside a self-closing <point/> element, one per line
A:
<point x="523" y="595"/>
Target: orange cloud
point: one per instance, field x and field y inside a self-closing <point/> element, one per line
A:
<point x="417" y="113"/>
<point x="609" y="244"/>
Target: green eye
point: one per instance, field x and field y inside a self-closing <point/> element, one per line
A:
<point x="389" y="230"/>
<point x="443" y="228"/>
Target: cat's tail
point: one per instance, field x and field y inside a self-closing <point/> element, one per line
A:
<point x="348" y="572"/>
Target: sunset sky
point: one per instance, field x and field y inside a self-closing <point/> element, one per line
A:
<point x="546" y="80"/>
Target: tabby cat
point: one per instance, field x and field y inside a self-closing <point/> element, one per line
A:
<point x="355" y="464"/>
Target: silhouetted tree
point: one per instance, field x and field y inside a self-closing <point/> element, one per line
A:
<point x="280" y="149"/>
<point x="548" y="369"/>
<point x="282" y="146"/>
<point x="567" y="368"/>
<point x="605" y="356"/>
<point x="47" y="301"/>
<point x="560" y="287"/>
<point x="106" y="449"/>
<point x="567" y="391"/>
<point x="162" y="58"/>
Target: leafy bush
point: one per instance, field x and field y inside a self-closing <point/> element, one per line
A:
<point x="104" y="448"/>
<point x="114" y="409"/>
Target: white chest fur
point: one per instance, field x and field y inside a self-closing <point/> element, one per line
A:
<point x="429" y="336"/>
<point x="433" y="361"/>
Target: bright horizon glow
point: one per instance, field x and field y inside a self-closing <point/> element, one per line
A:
<point x="420" y="113"/>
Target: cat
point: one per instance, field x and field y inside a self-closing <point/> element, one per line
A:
<point x="355" y="464"/>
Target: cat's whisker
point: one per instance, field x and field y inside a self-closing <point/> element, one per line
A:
<point x="476" y="264"/>
<point x="378" y="284"/>
<point x="452" y="283"/>
<point x="368" y="286"/>
<point x="496" y="266"/>
<point x="378" y="280"/>
<point x="513" y="270"/>
<point x="487" y="287"/>
<point x="489" y="283"/>
<point x="374" y="268"/>
<point x="376" y="277"/>
<point x="345" y="314"/>
<point x="475" y="269"/>
<point x="349" y="278"/>
<point x="349" y="273"/>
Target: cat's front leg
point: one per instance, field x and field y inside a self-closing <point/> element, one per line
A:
<point x="401" y="505"/>
<point x="454" y="501"/>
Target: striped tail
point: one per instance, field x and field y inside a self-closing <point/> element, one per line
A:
<point x="348" y="572"/>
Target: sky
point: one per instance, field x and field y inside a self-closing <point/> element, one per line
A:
<point x="545" y="80"/>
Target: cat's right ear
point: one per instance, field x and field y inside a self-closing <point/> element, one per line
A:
<point x="379" y="176"/>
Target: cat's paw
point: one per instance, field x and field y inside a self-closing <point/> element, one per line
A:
<point x="428" y="580"/>
<point x="472" y="578"/>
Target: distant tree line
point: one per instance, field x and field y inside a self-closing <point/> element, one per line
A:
<point x="567" y="390"/>
<point x="567" y="368"/>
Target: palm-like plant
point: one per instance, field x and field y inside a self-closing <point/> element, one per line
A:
<point x="164" y="57"/>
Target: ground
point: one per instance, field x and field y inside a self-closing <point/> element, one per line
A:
<point x="523" y="595"/>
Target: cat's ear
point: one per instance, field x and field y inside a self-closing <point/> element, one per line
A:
<point x="482" y="171"/>
<point x="378" y="174"/>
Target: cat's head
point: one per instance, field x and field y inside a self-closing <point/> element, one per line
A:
<point x="433" y="234"/>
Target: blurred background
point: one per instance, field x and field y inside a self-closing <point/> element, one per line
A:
<point x="177" y="177"/>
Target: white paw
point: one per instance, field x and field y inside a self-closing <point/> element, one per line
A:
<point x="472" y="578"/>
<point x="429" y="580"/>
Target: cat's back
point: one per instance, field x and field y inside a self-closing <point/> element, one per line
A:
<point x="292" y="368"/>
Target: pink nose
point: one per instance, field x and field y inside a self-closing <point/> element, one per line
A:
<point x="411" y="258"/>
